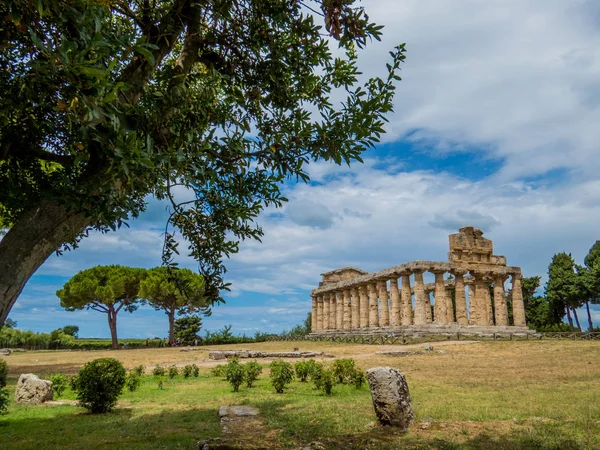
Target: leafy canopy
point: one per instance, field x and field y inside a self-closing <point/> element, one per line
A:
<point x="210" y="105"/>
<point x="174" y="290"/>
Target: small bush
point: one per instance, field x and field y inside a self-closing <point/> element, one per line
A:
<point x="187" y="371"/>
<point x="218" y="371"/>
<point x="133" y="381"/>
<point x="302" y="369"/>
<point x="59" y="383"/>
<point x="343" y="369"/>
<point x="327" y="381"/>
<point x="235" y="374"/>
<point x="281" y="375"/>
<point x="139" y="370"/>
<point x="251" y="372"/>
<point x="173" y="372"/>
<point x="99" y="384"/>
<point x="159" y="371"/>
<point x="3" y="373"/>
<point x="358" y="378"/>
<point x="195" y="370"/>
<point x="160" y="384"/>
<point x="4" y="400"/>
<point x="315" y="372"/>
<point x="73" y="382"/>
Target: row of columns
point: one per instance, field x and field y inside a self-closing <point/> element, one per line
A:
<point x="371" y="305"/>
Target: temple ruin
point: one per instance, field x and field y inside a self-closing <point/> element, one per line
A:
<point x="352" y="300"/>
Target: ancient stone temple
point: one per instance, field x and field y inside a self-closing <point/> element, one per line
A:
<point x="468" y="292"/>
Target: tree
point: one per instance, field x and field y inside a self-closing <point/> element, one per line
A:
<point x="106" y="103"/>
<point x="9" y="323"/>
<point x="71" y="330"/>
<point x="174" y="291"/>
<point x="186" y="329"/>
<point x="590" y="280"/>
<point x="107" y="289"/>
<point x="563" y="288"/>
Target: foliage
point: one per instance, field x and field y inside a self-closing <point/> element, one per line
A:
<point x="300" y="330"/>
<point x="59" y="383"/>
<point x="159" y="371"/>
<point x="234" y="373"/>
<point x="302" y="369"/>
<point x="58" y="339"/>
<point x="106" y="103"/>
<point x="173" y="291"/>
<point x="563" y="287"/>
<point x="4" y="400"/>
<point x="3" y="373"/>
<point x="99" y="383"/>
<point x="358" y="378"/>
<point x="343" y="370"/>
<point x="139" y="370"/>
<point x="173" y="371"/>
<point x="73" y="380"/>
<point x="187" y="371"/>
<point x="187" y="328"/>
<point x="133" y="381"/>
<point x="252" y="370"/>
<point x="9" y="323"/>
<point x="218" y="370"/>
<point x="327" y="379"/>
<point x="281" y="375"/>
<point x="106" y="289"/>
<point x="71" y="330"/>
<point x="195" y="370"/>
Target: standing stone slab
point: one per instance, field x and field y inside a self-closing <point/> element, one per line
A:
<point x="391" y="398"/>
<point x="33" y="390"/>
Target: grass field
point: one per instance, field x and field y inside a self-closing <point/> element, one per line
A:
<point x="485" y="395"/>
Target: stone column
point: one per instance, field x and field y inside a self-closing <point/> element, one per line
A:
<point x="472" y="303"/>
<point x="488" y="303"/>
<point x="339" y="312"/>
<point x="384" y="308"/>
<point x="320" y="312"/>
<point x="326" y="309"/>
<point x="517" y="301"/>
<point x="332" y="310"/>
<point x="479" y="311"/>
<point x="460" y="299"/>
<point x="420" y="300"/>
<point x="406" y="296"/>
<point x="313" y="316"/>
<point x="364" y="306"/>
<point x="500" y="309"/>
<point x="355" y="308"/>
<point x="395" y="303"/>
<point x="373" y="308"/>
<point x="347" y="309"/>
<point x="441" y="302"/>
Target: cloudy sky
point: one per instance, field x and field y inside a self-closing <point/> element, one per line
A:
<point x="496" y="124"/>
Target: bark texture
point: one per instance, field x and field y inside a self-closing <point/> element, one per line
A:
<point x="38" y="233"/>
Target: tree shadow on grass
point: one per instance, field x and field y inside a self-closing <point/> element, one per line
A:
<point x="72" y="428"/>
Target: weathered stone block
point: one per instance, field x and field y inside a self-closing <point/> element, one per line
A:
<point x="33" y="390"/>
<point x="391" y="398"/>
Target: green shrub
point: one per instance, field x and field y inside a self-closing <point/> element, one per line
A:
<point x="281" y="375"/>
<point x="218" y="371"/>
<point x="302" y="369"/>
<point x="73" y="382"/>
<point x="195" y="370"/>
<point x="133" y="381"/>
<point x="343" y="369"/>
<point x="235" y="373"/>
<point x="315" y="371"/>
<point x="173" y="372"/>
<point x="251" y="372"/>
<point x="327" y="381"/>
<point x="3" y="373"/>
<point x="159" y="371"/>
<point x="99" y="384"/>
<point x="358" y="378"/>
<point x="187" y="371"/>
<point x="139" y="370"/>
<point x="59" y="383"/>
<point x="160" y="384"/>
<point x="4" y="400"/>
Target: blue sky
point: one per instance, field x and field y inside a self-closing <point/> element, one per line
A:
<point x="495" y="125"/>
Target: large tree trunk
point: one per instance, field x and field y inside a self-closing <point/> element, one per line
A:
<point x="38" y="233"/>
<point x="171" y="315"/>
<point x="589" y="314"/>
<point x="569" y="317"/>
<point x="576" y="318"/>
<point x="112" y="324"/>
